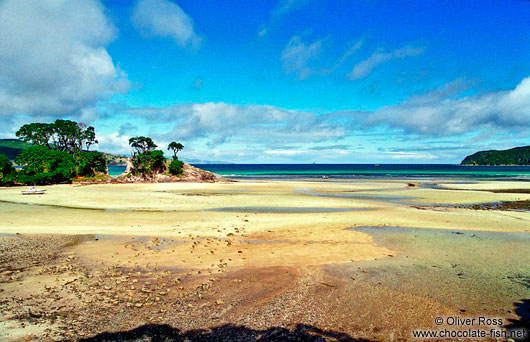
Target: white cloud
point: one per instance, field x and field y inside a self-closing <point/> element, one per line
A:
<point x="114" y="142"/>
<point x="220" y="122"/>
<point x="445" y="115"/>
<point x="51" y="61"/>
<point x="287" y="152"/>
<point x="408" y="156"/>
<point x="365" y="67"/>
<point x="164" y="18"/>
<point x="282" y="8"/>
<point x="296" y="55"/>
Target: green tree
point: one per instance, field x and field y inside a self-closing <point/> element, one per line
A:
<point x="90" y="137"/>
<point x="7" y="171"/>
<point x="147" y="163"/>
<point x="176" y="147"/>
<point x="63" y="135"/>
<point x="142" y="144"/>
<point x="69" y="135"/>
<point x="146" y="160"/>
<point x="5" y="166"/>
<point x="36" y="133"/>
<point x="91" y="163"/>
<point x="40" y="165"/>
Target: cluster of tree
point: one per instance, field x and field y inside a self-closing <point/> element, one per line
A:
<point x="61" y="135"/>
<point x="513" y="156"/>
<point x="57" y="154"/>
<point x="146" y="160"/>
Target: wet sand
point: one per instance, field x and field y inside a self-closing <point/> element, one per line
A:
<point x="260" y="260"/>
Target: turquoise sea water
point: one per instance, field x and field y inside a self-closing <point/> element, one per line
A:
<point x="281" y="171"/>
<point x="116" y="170"/>
<point x="365" y="171"/>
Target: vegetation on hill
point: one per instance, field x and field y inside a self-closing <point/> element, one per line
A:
<point x="13" y="147"/>
<point x="147" y="161"/>
<point x="114" y="159"/>
<point x="54" y="153"/>
<point x="175" y="167"/>
<point x="14" y="143"/>
<point x="513" y="156"/>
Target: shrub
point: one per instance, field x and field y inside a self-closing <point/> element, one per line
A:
<point x="175" y="167"/>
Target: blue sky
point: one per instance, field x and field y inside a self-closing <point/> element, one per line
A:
<point x="284" y="81"/>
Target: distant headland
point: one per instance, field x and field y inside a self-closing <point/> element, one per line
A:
<point x="512" y="156"/>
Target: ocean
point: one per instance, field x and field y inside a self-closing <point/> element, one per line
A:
<point x="293" y="171"/>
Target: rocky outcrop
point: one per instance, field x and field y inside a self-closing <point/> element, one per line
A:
<point x="189" y="174"/>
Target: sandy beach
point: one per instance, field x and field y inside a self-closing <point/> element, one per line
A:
<point x="348" y="260"/>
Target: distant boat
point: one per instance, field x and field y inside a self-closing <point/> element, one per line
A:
<point x="33" y="191"/>
<point x="324" y="177"/>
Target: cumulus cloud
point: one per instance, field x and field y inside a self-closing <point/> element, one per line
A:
<point x="115" y="142"/>
<point x="164" y="18"/>
<point x="282" y="8"/>
<point x="52" y="62"/>
<point x="296" y="55"/>
<point x="444" y="115"/>
<point x="220" y="122"/>
<point x="365" y="67"/>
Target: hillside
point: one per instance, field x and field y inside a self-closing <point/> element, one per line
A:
<point x="13" y="147"/>
<point x="513" y="156"/>
<point x="14" y="143"/>
<point x="114" y="159"/>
